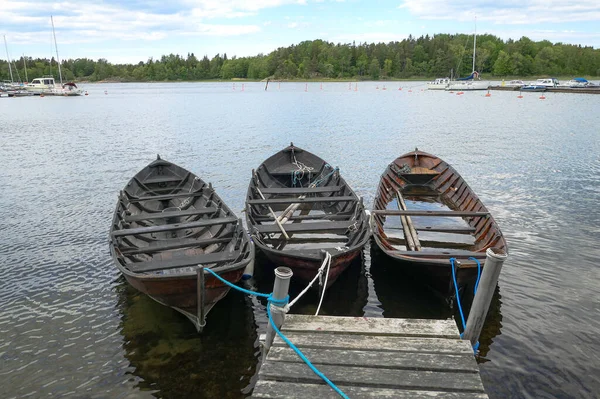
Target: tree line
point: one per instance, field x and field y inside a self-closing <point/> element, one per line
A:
<point x="423" y="57"/>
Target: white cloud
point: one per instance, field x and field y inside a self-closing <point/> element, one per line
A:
<point x="509" y="12"/>
<point x="292" y="25"/>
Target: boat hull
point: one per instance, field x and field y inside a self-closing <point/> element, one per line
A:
<point x="181" y="292"/>
<point x="468" y="86"/>
<point x="428" y="180"/>
<point x="305" y="269"/>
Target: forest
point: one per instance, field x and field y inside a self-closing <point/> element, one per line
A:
<point x="412" y="58"/>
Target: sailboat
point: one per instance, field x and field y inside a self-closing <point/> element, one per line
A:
<point x="472" y="81"/>
<point x="47" y="85"/>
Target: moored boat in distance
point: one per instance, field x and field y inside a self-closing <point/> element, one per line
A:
<point x="514" y="83"/>
<point x="438" y="84"/>
<point x="168" y="223"/>
<point x="45" y="85"/>
<point x="299" y="207"/>
<point x="424" y="213"/>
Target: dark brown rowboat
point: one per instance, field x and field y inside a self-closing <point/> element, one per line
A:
<point x="425" y="213"/>
<point x="323" y="214"/>
<point x="167" y="224"/>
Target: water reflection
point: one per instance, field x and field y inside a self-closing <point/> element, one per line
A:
<point x="404" y="295"/>
<point x="171" y="360"/>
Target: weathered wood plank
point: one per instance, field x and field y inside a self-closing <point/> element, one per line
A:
<point x="300" y="200"/>
<point x="170" y="214"/>
<point x="174" y="226"/>
<point x="381" y="343"/>
<point x="300" y="190"/>
<point x="375" y="378"/>
<point x="441" y="254"/>
<point x="317" y="227"/>
<point x="289" y="390"/>
<point x="431" y="213"/>
<point x="375" y="326"/>
<point x="165" y="197"/>
<point x="374" y="358"/>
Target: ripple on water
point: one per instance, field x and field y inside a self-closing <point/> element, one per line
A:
<point x="70" y="325"/>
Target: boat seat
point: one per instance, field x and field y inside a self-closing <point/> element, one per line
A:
<point x="170" y="214"/>
<point x="440" y="254"/>
<point x="166" y="197"/>
<point x="174" y="226"/>
<point x="167" y="245"/>
<point x="183" y="261"/>
<point x="288" y="201"/>
<point x="300" y="190"/>
<point x="162" y="179"/>
<point x="319" y="227"/>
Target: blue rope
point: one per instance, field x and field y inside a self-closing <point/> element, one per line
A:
<point x="283" y="301"/>
<point x="478" y="274"/>
<point x="462" y="316"/>
<point x="245" y="291"/>
<point x="301" y="355"/>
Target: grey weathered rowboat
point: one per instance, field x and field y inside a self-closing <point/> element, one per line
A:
<point x="297" y="207"/>
<point x="167" y="224"/>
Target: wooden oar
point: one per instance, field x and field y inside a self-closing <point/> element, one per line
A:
<point x="409" y="228"/>
<point x="270" y="209"/>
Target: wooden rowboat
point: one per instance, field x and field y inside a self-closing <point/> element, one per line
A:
<point x="298" y="207"/>
<point x="167" y="226"/>
<point x="424" y="213"/>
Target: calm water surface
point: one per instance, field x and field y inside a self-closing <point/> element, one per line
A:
<point x="71" y="326"/>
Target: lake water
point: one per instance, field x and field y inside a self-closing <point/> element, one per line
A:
<point x="71" y="326"/>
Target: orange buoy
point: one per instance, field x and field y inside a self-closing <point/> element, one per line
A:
<point x="321" y="86"/>
<point x="460" y="93"/>
<point x="409" y="90"/>
<point x="86" y="93"/>
<point x="542" y="97"/>
<point x="488" y="94"/>
<point x="399" y="88"/>
<point x="520" y="96"/>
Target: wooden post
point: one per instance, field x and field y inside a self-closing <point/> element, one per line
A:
<point x="200" y="298"/>
<point x="485" y="292"/>
<point x="280" y="291"/>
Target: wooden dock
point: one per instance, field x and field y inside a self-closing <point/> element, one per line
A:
<point x="370" y="358"/>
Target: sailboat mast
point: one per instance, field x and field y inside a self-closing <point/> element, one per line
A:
<point x="56" y="46"/>
<point x="8" y="57"/>
<point x="25" y="66"/>
<point x="474" y="44"/>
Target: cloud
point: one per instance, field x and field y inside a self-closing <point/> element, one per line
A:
<point x="85" y="22"/>
<point x="509" y="12"/>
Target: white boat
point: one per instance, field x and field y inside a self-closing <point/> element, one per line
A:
<point x="471" y="82"/>
<point x="514" y="83"/>
<point x="438" y="84"/>
<point x="43" y="85"/>
<point x="578" y="83"/>
<point x="547" y="82"/>
<point x="47" y="85"/>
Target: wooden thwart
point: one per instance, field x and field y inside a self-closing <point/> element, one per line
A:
<point x="175" y="226"/>
<point x="175" y="244"/>
<point x="183" y="261"/>
<point x="165" y="197"/>
<point x="390" y="212"/>
<point x="319" y="227"/>
<point x="300" y="190"/>
<point x="170" y="214"/>
<point x="286" y="201"/>
<point x="371" y="358"/>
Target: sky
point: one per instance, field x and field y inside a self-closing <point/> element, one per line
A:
<point x="130" y="31"/>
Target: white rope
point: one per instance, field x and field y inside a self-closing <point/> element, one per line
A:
<point x="328" y="260"/>
<point x="325" y="264"/>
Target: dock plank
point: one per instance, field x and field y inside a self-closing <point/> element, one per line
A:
<point x="381" y="343"/>
<point x="370" y="358"/>
<point x="374" y="358"/>
<point x="290" y="390"/>
<point x="373" y="377"/>
<point x="370" y="325"/>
